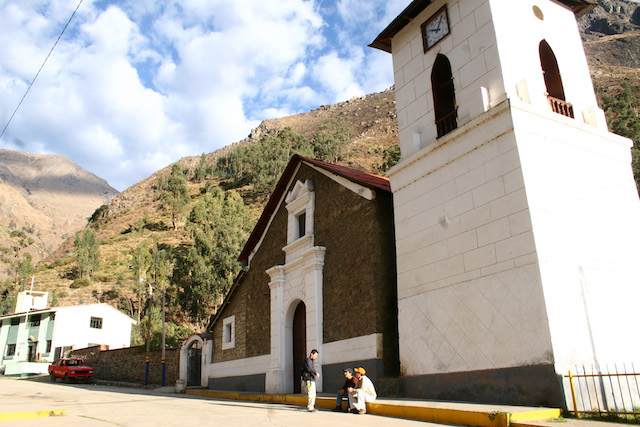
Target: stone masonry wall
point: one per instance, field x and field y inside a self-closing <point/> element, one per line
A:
<point x="128" y="364"/>
<point x="359" y="273"/>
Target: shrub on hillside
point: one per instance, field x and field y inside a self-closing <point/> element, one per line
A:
<point x="80" y="283"/>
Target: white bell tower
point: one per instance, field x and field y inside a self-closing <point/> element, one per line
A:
<point x="516" y="211"/>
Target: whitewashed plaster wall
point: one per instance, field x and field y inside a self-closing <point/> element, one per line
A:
<point x="72" y="327"/>
<point x="483" y="281"/>
<point x="469" y="292"/>
<point x="584" y="210"/>
<point x="518" y="250"/>
<point x="359" y="348"/>
<point x="239" y="367"/>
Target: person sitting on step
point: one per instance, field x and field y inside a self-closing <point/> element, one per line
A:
<point x="350" y="382"/>
<point x="361" y="394"/>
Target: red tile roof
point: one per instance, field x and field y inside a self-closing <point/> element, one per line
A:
<point x="363" y="178"/>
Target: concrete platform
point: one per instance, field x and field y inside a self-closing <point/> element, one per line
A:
<point x="455" y="413"/>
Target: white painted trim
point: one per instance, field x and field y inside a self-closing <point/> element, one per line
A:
<point x="240" y="367"/>
<point x="360" y="190"/>
<point x="298" y="201"/>
<point x="229" y="322"/>
<point x="359" y="348"/>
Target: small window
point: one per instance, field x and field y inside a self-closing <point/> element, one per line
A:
<point x="96" y="322"/>
<point x="302" y="224"/>
<point x="34" y="320"/>
<point x="11" y="350"/>
<point x="553" y="81"/>
<point x="444" y="96"/>
<point x="48" y="350"/>
<point x="15" y="321"/>
<point x="229" y="333"/>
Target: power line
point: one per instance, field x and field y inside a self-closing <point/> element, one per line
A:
<point x="41" y="67"/>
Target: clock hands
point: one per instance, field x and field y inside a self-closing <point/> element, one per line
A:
<point x="437" y="25"/>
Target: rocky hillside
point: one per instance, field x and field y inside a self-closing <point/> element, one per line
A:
<point x="45" y="199"/>
<point x="611" y="37"/>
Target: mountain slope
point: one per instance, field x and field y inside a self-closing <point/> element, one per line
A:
<point x="48" y="197"/>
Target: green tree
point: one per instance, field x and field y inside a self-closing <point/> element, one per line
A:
<point x="161" y="266"/>
<point x="219" y="224"/>
<point x="622" y="108"/>
<point x="8" y="294"/>
<point x="17" y="257"/>
<point x="330" y="142"/>
<point x="24" y="269"/>
<point x="200" y="172"/>
<point x="141" y="260"/>
<point x="262" y="164"/>
<point x="87" y="252"/>
<point x="390" y="156"/>
<point x="174" y="193"/>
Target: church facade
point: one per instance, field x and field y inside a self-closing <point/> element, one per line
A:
<point x="493" y="259"/>
<point x="320" y="275"/>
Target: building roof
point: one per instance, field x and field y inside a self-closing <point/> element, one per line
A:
<point x="383" y="41"/>
<point x="365" y="179"/>
<point x="24" y="313"/>
<point x="64" y="308"/>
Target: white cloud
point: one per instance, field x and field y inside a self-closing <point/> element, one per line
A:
<point x="134" y="86"/>
<point x="338" y="76"/>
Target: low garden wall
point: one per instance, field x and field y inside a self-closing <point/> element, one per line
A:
<point x="128" y="364"/>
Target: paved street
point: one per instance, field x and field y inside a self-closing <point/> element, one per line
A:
<point x="93" y="405"/>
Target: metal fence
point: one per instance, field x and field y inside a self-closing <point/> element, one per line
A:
<point x="604" y="390"/>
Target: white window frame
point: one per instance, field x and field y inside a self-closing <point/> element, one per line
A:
<point x="229" y="339"/>
<point x="300" y="200"/>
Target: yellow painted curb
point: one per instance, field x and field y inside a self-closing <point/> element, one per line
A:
<point x="29" y="415"/>
<point x="537" y="415"/>
<point x="441" y="415"/>
<point x="403" y="410"/>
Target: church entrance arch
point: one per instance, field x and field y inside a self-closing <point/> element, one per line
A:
<point x="299" y="343"/>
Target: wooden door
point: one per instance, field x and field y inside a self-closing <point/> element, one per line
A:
<point x="299" y="343"/>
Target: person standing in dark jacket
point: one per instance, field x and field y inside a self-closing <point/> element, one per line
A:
<point x="309" y="376"/>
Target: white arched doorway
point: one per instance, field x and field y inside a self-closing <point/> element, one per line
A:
<point x="193" y="354"/>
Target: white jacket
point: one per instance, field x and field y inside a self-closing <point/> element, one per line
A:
<point x="366" y="387"/>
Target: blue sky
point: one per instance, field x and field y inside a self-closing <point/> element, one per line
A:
<point x="135" y="85"/>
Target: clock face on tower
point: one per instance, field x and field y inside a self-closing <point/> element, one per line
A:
<point x="435" y="28"/>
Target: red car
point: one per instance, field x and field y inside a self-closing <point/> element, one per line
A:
<point x="70" y="369"/>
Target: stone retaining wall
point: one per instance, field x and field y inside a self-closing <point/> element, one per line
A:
<point x="128" y="364"/>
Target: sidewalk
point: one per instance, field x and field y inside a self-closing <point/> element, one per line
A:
<point x="469" y="414"/>
<point x="452" y="413"/>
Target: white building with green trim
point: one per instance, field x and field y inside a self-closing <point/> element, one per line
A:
<point x="35" y="335"/>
